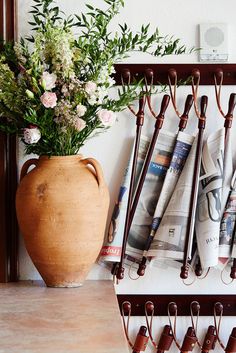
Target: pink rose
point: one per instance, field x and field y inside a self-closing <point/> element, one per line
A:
<point x="90" y="88"/>
<point x="48" y="81"/>
<point x="49" y="99"/>
<point x="107" y="117"/>
<point x="80" y="124"/>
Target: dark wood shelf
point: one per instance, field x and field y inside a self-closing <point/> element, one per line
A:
<point x="183" y="302"/>
<point x="184" y="71"/>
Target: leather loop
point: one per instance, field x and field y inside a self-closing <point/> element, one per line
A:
<point x="218" y="87"/>
<point x="190" y="340"/>
<point x="210" y="340"/>
<point x="149" y="309"/>
<point x="231" y="345"/>
<point x="165" y="342"/>
<point x="140" y="343"/>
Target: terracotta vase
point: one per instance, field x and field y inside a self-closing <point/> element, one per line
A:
<point x="62" y="207"/>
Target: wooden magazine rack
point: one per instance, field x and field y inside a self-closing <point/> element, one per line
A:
<point x="208" y="74"/>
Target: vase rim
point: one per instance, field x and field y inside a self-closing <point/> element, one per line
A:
<point x="69" y="157"/>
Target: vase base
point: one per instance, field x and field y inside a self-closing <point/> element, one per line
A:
<point x="65" y="285"/>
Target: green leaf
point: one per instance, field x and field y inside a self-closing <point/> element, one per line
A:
<point x="37" y="20"/>
<point x="30" y="39"/>
<point x="90" y="7"/>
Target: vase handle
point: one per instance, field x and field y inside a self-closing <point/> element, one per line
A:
<point x="26" y="165"/>
<point x="98" y="170"/>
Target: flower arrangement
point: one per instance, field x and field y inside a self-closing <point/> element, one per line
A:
<point x="55" y="85"/>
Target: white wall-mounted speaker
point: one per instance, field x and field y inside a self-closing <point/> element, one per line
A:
<point x="213" y="42"/>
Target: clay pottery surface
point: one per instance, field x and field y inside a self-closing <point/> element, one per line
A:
<point x="62" y="207"/>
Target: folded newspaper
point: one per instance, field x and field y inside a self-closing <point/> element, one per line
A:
<point x="182" y="148"/>
<point x="152" y="187"/>
<point x="111" y="250"/>
<point x="169" y="240"/>
<point x="227" y="226"/>
<point x="211" y="201"/>
<point x="233" y="254"/>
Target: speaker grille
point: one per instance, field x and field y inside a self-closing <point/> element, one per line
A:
<point x="214" y="36"/>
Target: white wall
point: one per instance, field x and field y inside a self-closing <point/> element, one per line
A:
<point x="111" y="149"/>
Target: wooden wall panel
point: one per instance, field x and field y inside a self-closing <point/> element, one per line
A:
<point x="1" y="19"/>
<point x="12" y="232"/>
<point x="3" y="252"/>
<point x="3" y="244"/>
<point x="8" y="173"/>
<point x="10" y="19"/>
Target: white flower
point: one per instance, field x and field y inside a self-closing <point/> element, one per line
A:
<point x="48" y="81"/>
<point x="90" y="88"/>
<point x="107" y="117"/>
<point x="104" y="76"/>
<point x="81" y="110"/>
<point x="79" y="124"/>
<point x="92" y="100"/>
<point x="31" y="135"/>
<point x="101" y="94"/>
<point x="112" y="70"/>
<point x="111" y="81"/>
